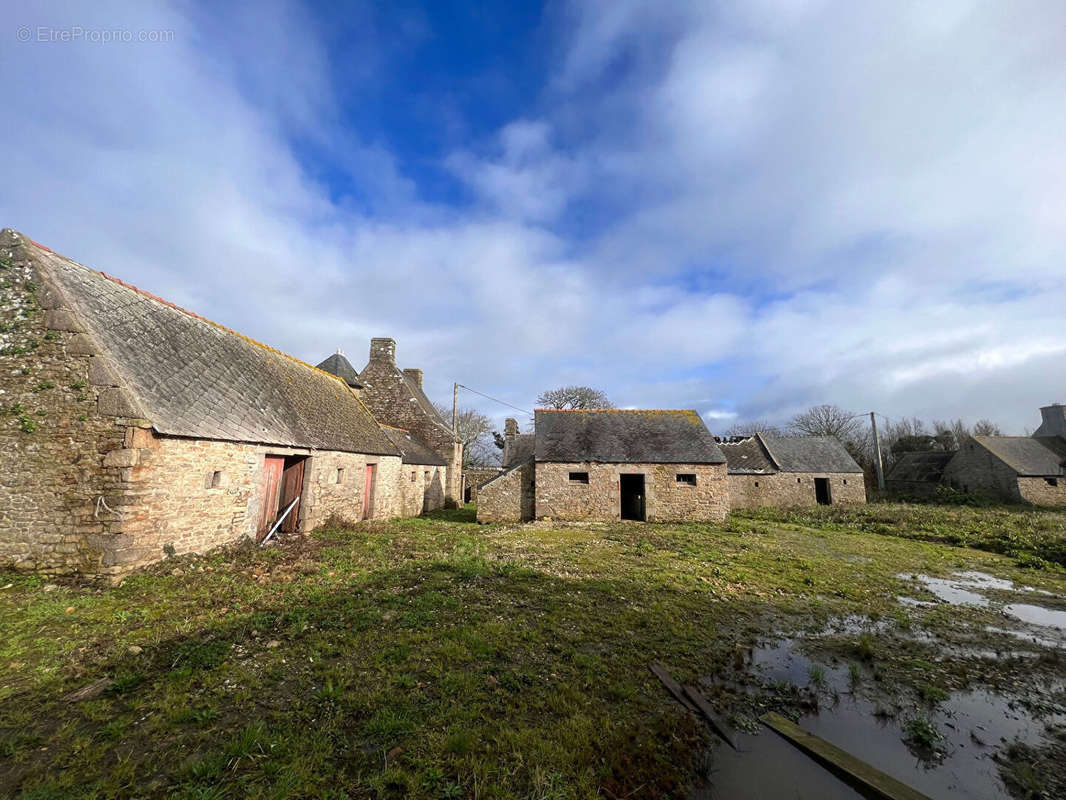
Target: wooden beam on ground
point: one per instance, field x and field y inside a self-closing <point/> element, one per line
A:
<point x="867" y="780"/>
<point x="715" y="721"/>
<point x="672" y="686"/>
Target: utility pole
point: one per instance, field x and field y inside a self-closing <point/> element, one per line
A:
<point x="455" y="408"/>
<point x="877" y="455"/>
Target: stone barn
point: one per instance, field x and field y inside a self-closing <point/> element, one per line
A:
<point x="133" y="428"/>
<point x="767" y="470"/>
<point x="918" y="474"/>
<point x="424" y="490"/>
<point x="1014" y="469"/>
<point x="608" y="465"/>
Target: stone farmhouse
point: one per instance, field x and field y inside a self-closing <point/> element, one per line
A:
<point x="1013" y="469"/>
<point x="767" y="470"/>
<point x="605" y="465"/>
<point x="133" y="428"/>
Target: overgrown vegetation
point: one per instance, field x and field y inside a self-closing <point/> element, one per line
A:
<point x="428" y="657"/>
<point x="1036" y="538"/>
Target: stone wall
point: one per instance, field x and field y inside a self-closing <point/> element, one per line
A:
<point x="386" y="393"/>
<point x="667" y="500"/>
<point x="975" y="469"/>
<point x="1040" y="492"/>
<point x="421" y="489"/>
<point x="509" y="497"/>
<point x="792" y="489"/>
<point x="475" y="477"/>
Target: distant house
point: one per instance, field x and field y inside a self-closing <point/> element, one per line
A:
<point x="133" y="428"/>
<point x="1015" y="469"/>
<point x="605" y="465"/>
<point x="395" y="397"/>
<point x="767" y="470"/>
<point x="917" y="474"/>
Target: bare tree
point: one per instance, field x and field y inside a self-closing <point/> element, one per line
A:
<point x="475" y="432"/>
<point x="827" y="420"/>
<point x="753" y="427"/>
<point x="574" y="397"/>
<point x="986" y="427"/>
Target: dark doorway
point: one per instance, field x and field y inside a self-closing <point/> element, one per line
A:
<point x="283" y="480"/>
<point x="821" y="491"/>
<point x="631" y="488"/>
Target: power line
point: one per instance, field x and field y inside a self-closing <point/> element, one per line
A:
<point x="495" y="400"/>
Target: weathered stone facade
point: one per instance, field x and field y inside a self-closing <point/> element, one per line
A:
<point x="1042" y="491"/>
<point x="474" y="478"/>
<point x="508" y="497"/>
<point x="396" y="398"/>
<point x="976" y="469"/>
<point x="89" y="485"/>
<point x="667" y="499"/>
<point x="787" y="489"/>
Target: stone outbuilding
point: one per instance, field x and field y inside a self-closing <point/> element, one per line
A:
<point x="785" y="471"/>
<point x="917" y="474"/>
<point x="133" y="428"/>
<point x="1014" y="469"/>
<point x="607" y="465"/>
<point x="424" y="474"/>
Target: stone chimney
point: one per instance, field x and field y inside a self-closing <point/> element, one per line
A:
<point x="510" y="429"/>
<point x="415" y="376"/>
<point x="1054" y="421"/>
<point x="383" y="349"/>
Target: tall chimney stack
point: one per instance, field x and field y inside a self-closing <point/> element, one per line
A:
<point x="510" y="428"/>
<point x="383" y="349"/>
<point x="1054" y="421"/>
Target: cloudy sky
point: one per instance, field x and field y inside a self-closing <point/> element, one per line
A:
<point x="740" y="210"/>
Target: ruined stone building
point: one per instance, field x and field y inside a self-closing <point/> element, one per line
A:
<point x="133" y="428"/>
<point x="767" y="470"/>
<point x="604" y="465"/>
<point x="917" y="474"/>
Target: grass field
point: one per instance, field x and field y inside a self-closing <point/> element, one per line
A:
<point x="437" y="658"/>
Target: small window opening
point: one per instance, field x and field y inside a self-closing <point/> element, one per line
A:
<point x="427" y="475"/>
<point x="686" y="478"/>
<point x="340" y="474"/>
<point x="799" y="480"/>
<point x="579" y="477"/>
<point x="1052" y="481"/>
<point x="756" y="484"/>
<point x="413" y="476"/>
<point x="216" y="479"/>
<point x="845" y="481"/>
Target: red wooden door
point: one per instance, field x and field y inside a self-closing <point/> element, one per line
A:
<point x="273" y="466"/>
<point x="292" y="484"/>
<point x="368" y="492"/>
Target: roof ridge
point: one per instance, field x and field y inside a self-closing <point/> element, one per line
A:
<point x="187" y="312"/>
<point x="623" y="410"/>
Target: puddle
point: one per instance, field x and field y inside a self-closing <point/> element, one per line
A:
<point x="1037" y="615"/>
<point x="955" y="592"/>
<point x="974" y="725"/>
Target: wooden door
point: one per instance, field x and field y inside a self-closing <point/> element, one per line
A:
<point x="368" y="491"/>
<point x="273" y="466"/>
<point x="292" y="484"/>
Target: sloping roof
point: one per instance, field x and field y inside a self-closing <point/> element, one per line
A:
<point x="924" y="467"/>
<point x="340" y="366"/>
<point x="192" y="377"/>
<point x="623" y="436"/>
<point x="521" y="449"/>
<point x="747" y="457"/>
<point x="1043" y="456"/>
<point x="808" y="453"/>
<point x="411" y="450"/>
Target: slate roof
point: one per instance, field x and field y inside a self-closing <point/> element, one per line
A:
<point x="521" y="449"/>
<point x="1035" y="456"/>
<point x="340" y="366"/>
<point x="624" y="436"/>
<point x="747" y="457"/>
<point x="411" y="450"/>
<point x="808" y="453"/>
<point x="925" y="467"/>
<point x="192" y="377"/>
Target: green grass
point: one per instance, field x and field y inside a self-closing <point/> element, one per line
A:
<point x="1035" y="537"/>
<point x="425" y="658"/>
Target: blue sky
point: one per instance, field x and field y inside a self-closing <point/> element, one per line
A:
<point x="741" y="208"/>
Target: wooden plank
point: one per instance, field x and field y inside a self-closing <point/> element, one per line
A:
<point x="672" y="686"/>
<point x="715" y="721"/>
<point x="867" y="780"/>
